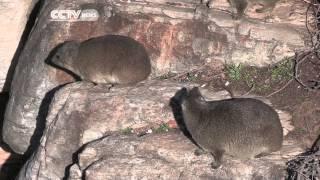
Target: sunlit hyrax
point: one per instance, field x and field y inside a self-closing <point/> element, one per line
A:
<point x="111" y="59"/>
<point x="241" y="127"/>
<point x="241" y="5"/>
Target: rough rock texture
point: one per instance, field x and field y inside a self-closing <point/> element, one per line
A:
<point x="166" y="156"/>
<point x="307" y="164"/>
<point x="82" y="112"/>
<point x="91" y="121"/>
<point x="284" y="11"/>
<point x="14" y="15"/>
<point x="178" y="35"/>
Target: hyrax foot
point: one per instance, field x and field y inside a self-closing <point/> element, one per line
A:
<point x="215" y="165"/>
<point x="217" y="155"/>
<point x="199" y="152"/>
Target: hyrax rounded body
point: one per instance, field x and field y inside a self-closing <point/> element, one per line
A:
<point x="110" y="59"/>
<point x="241" y="127"/>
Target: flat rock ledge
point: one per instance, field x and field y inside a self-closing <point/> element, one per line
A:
<point x="168" y="156"/>
<point x="86" y="138"/>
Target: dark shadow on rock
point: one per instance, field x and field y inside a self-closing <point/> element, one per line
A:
<point x="23" y="40"/>
<point x="44" y="107"/>
<point x="40" y="125"/>
<point x="11" y="167"/>
<point x="44" y="110"/>
<point x="52" y="53"/>
<point x="41" y="120"/>
<point x="4" y="97"/>
<point x="75" y="158"/>
<point x="175" y="103"/>
<point x="316" y="145"/>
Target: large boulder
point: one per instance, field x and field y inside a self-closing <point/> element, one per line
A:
<point x="178" y="35"/>
<point x="88" y="136"/>
<point x="167" y="156"/>
<point x="14" y="16"/>
<point x="81" y="113"/>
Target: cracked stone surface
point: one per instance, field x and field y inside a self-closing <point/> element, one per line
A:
<point x="179" y="36"/>
<point x="85" y="138"/>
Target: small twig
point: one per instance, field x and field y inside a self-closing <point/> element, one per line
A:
<point x="282" y="88"/>
<point x="250" y="90"/>
<point x="296" y="69"/>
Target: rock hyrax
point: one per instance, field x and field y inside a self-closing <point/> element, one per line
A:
<point x="241" y="5"/>
<point x="110" y="59"/>
<point x="241" y="127"/>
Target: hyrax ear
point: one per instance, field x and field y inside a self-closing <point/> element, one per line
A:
<point x="184" y="91"/>
<point x="195" y="93"/>
<point x="179" y="96"/>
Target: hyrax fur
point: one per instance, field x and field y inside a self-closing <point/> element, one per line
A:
<point x="112" y="59"/>
<point x="241" y="127"/>
<point x="241" y="5"/>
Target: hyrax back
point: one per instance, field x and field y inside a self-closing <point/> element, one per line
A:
<point x="241" y="127"/>
<point x="241" y="5"/>
<point x="111" y="59"/>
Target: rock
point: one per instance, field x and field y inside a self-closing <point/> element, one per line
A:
<point x="81" y="113"/>
<point x="14" y="15"/>
<point x="4" y="156"/>
<point x="285" y="12"/>
<point x="86" y="137"/>
<point x="157" y="156"/>
<point x="166" y="156"/>
<point x="34" y="81"/>
<point x="307" y="164"/>
<point x="179" y="36"/>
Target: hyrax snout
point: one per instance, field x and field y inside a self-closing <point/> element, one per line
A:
<point x="241" y="127"/>
<point x="241" y="5"/>
<point x="110" y="59"/>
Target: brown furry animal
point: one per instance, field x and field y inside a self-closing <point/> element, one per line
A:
<point x="110" y="59"/>
<point x="240" y="127"/>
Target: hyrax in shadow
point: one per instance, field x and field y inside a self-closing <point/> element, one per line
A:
<point x="241" y="5"/>
<point x="241" y="127"/>
<point x="111" y="59"/>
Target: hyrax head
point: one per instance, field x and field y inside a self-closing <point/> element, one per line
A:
<point x="192" y="96"/>
<point x="65" y="55"/>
